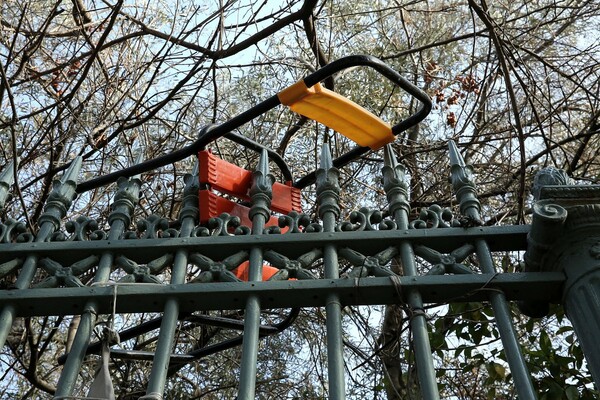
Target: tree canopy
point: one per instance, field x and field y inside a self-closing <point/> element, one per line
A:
<point x="515" y="84"/>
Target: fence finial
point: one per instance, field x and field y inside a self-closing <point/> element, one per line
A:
<point x="455" y="156"/>
<point x="389" y="159"/>
<point x="461" y="176"/>
<point x="261" y="191"/>
<point x="396" y="189"/>
<point x="328" y="188"/>
<point x="326" y="161"/>
<point x="189" y="204"/>
<point x="71" y="173"/>
<point x="139" y="157"/>
<point x="7" y="178"/>
<point x="127" y="196"/>
<point x="61" y="197"/>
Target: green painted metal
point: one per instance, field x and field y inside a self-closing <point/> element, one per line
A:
<point x="562" y="265"/>
<point x="7" y="178"/>
<point x="56" y="208"/>
<point x="119" y="219"/>
<point x="162" y="357"/>
<point x="499" y="238"/>
<point x="464" y="187"/>
<point x="565" y="237"/>
<point x="513" y="351"/>
<point x="261" y="194"/>
<point x="276" y="294"/>
<point x="328" y="191"/>
<point x="397" y="193"/>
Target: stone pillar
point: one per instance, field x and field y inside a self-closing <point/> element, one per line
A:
<point x="565" y="236"/>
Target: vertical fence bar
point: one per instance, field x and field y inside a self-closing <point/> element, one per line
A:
<point x="56" y="208"/>
<point x="119" y="219"/>
<point x="188" y="217"/>
<point x="464" y="187"/>
<point x="512" y="348"/>
<point x="399" y="207"/>
<point x="328" y="193"/>
<point x="7" y="178"/>
<point x="260" y="212"/>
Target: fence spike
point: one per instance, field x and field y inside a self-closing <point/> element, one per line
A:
<point x="263" y="162"/>
<point x="261" y="191"/>
<point x="326" y="161"/>
<point x="59" y="200"/>
<point x="126" y="198"/>
<point x="461" y="176"/>
<point x="328" y="195"/>
<point x="328" y="187"/>
<point x="455" y="156"/>
<point x="7" y="178"/>
<point x="195" y="168"/>
<point x="139" y="157"/>
<point x="71" y="173"/>
<point x="389" y="158"/>
<point x="189" y="203"/>
<point x="188" y="216"/>
<point x="395" y="187"/>
<point x="190" y="194"/>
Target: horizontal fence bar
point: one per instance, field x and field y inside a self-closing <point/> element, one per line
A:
<point x="499" y="238"/>
<point x="138" y="298"/>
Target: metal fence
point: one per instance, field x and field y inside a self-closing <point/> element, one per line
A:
<point x="59" y="254"/>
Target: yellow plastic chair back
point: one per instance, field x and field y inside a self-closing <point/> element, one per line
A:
<point x="338" y="113"/>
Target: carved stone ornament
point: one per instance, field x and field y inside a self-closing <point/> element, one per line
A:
<point x="564" y="236"/>
<point x="549" y="176"/>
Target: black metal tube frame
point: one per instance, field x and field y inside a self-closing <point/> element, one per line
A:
<point x="213" y="132"/>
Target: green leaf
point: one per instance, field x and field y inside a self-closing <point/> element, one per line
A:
<point x="496" y="371"/>
<point x="564" y="329"/>
<point x="555" y="391"/>
<point x="545" y="342"/>
<point x="572" y="392"/>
